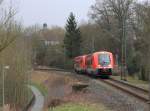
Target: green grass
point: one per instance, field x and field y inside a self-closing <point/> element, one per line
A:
<point x="41" y="88"/>
<point x="30" y="95"/>
<point x="78" y="107"/>
<point x="135" y="81"/>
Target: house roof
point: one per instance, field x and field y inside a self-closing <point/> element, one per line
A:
<point x="48" y="35"/>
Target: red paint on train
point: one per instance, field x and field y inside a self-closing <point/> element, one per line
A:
<point x="79" y="64"/>
<point x="98" y="63"/>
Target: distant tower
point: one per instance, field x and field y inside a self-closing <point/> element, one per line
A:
<point x="45" y="26"/>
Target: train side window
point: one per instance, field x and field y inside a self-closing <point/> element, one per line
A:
<point x="81" y="61"/>
<point x="92" y="59"/>
<point x="88" y="62"/>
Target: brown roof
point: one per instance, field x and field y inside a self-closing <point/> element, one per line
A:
<point x="48" y="36"/>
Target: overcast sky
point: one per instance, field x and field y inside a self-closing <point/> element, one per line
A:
<point x="53" y="12"/>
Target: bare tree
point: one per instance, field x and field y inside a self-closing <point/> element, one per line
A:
<point x="120" y="10"/>
<point x="7" y="27"/>
<point x="14" y="52"/>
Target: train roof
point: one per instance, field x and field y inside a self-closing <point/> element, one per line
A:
<point x="99" y="52"/>
<point x="80" y="56"/>
<point x="102" y="52"/>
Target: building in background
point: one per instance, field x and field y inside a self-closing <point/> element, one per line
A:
<point x="49" y="37"/>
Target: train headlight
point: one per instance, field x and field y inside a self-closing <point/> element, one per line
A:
<point x="109" y="65"/>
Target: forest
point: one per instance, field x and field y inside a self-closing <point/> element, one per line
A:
<point x="119" y="26"/>
<point x="114" y="25"/>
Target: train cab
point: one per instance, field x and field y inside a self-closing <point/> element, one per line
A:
<point x="100" y="63"/>
<point x="79" y="64"/>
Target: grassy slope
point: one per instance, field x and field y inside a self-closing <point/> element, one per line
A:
<point x="78" y="107"/>
<point x="135" y="81"/>
<point x="40" y="87"/>
<point x="38" y="78"/>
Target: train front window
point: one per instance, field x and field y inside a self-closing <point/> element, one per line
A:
<point x="104" y="59"/>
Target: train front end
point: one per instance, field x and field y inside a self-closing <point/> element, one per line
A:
<point x="104" y="63"/>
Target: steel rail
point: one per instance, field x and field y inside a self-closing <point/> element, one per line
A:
<point x="135" y="91"/>
<point x="130" y="85"/>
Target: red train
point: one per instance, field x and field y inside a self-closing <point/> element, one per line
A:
<point x="99" y="63"/>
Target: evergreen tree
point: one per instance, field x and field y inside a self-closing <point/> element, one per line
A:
<point x="72" y="40"/>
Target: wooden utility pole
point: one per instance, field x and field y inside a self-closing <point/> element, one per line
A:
<point x="3" y="82"/>
<point x="123" y="50"/>
<point x="124" y="47"/>
<point x="93" y="44"/>
<point x="122" y="59"/>
<point x="149" y="67"/>
<point x="149" y="87"/>
<point x="4" y="68"/>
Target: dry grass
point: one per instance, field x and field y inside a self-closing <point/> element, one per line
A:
<point x="9" y="108"/>
<point x="60" y="92"/>
<point x="80" y="107"/>
<point x="39" y="77"/>
<point x="135" y="81"/>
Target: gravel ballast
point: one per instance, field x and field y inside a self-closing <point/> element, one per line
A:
<point x="115" y="99"/>
<point x="96" y="93"/>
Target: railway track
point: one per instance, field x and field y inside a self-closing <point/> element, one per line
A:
<point x="135" y="91"/>
<point x="139" y="93"/>
<point x="50" y="69"/>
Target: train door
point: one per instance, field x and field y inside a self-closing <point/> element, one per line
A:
<point x="89" y="64"/>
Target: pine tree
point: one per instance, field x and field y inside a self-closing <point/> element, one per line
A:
<point x="72" y="40"/>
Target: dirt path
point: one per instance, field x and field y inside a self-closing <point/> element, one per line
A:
<point x="39" y="99"/>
